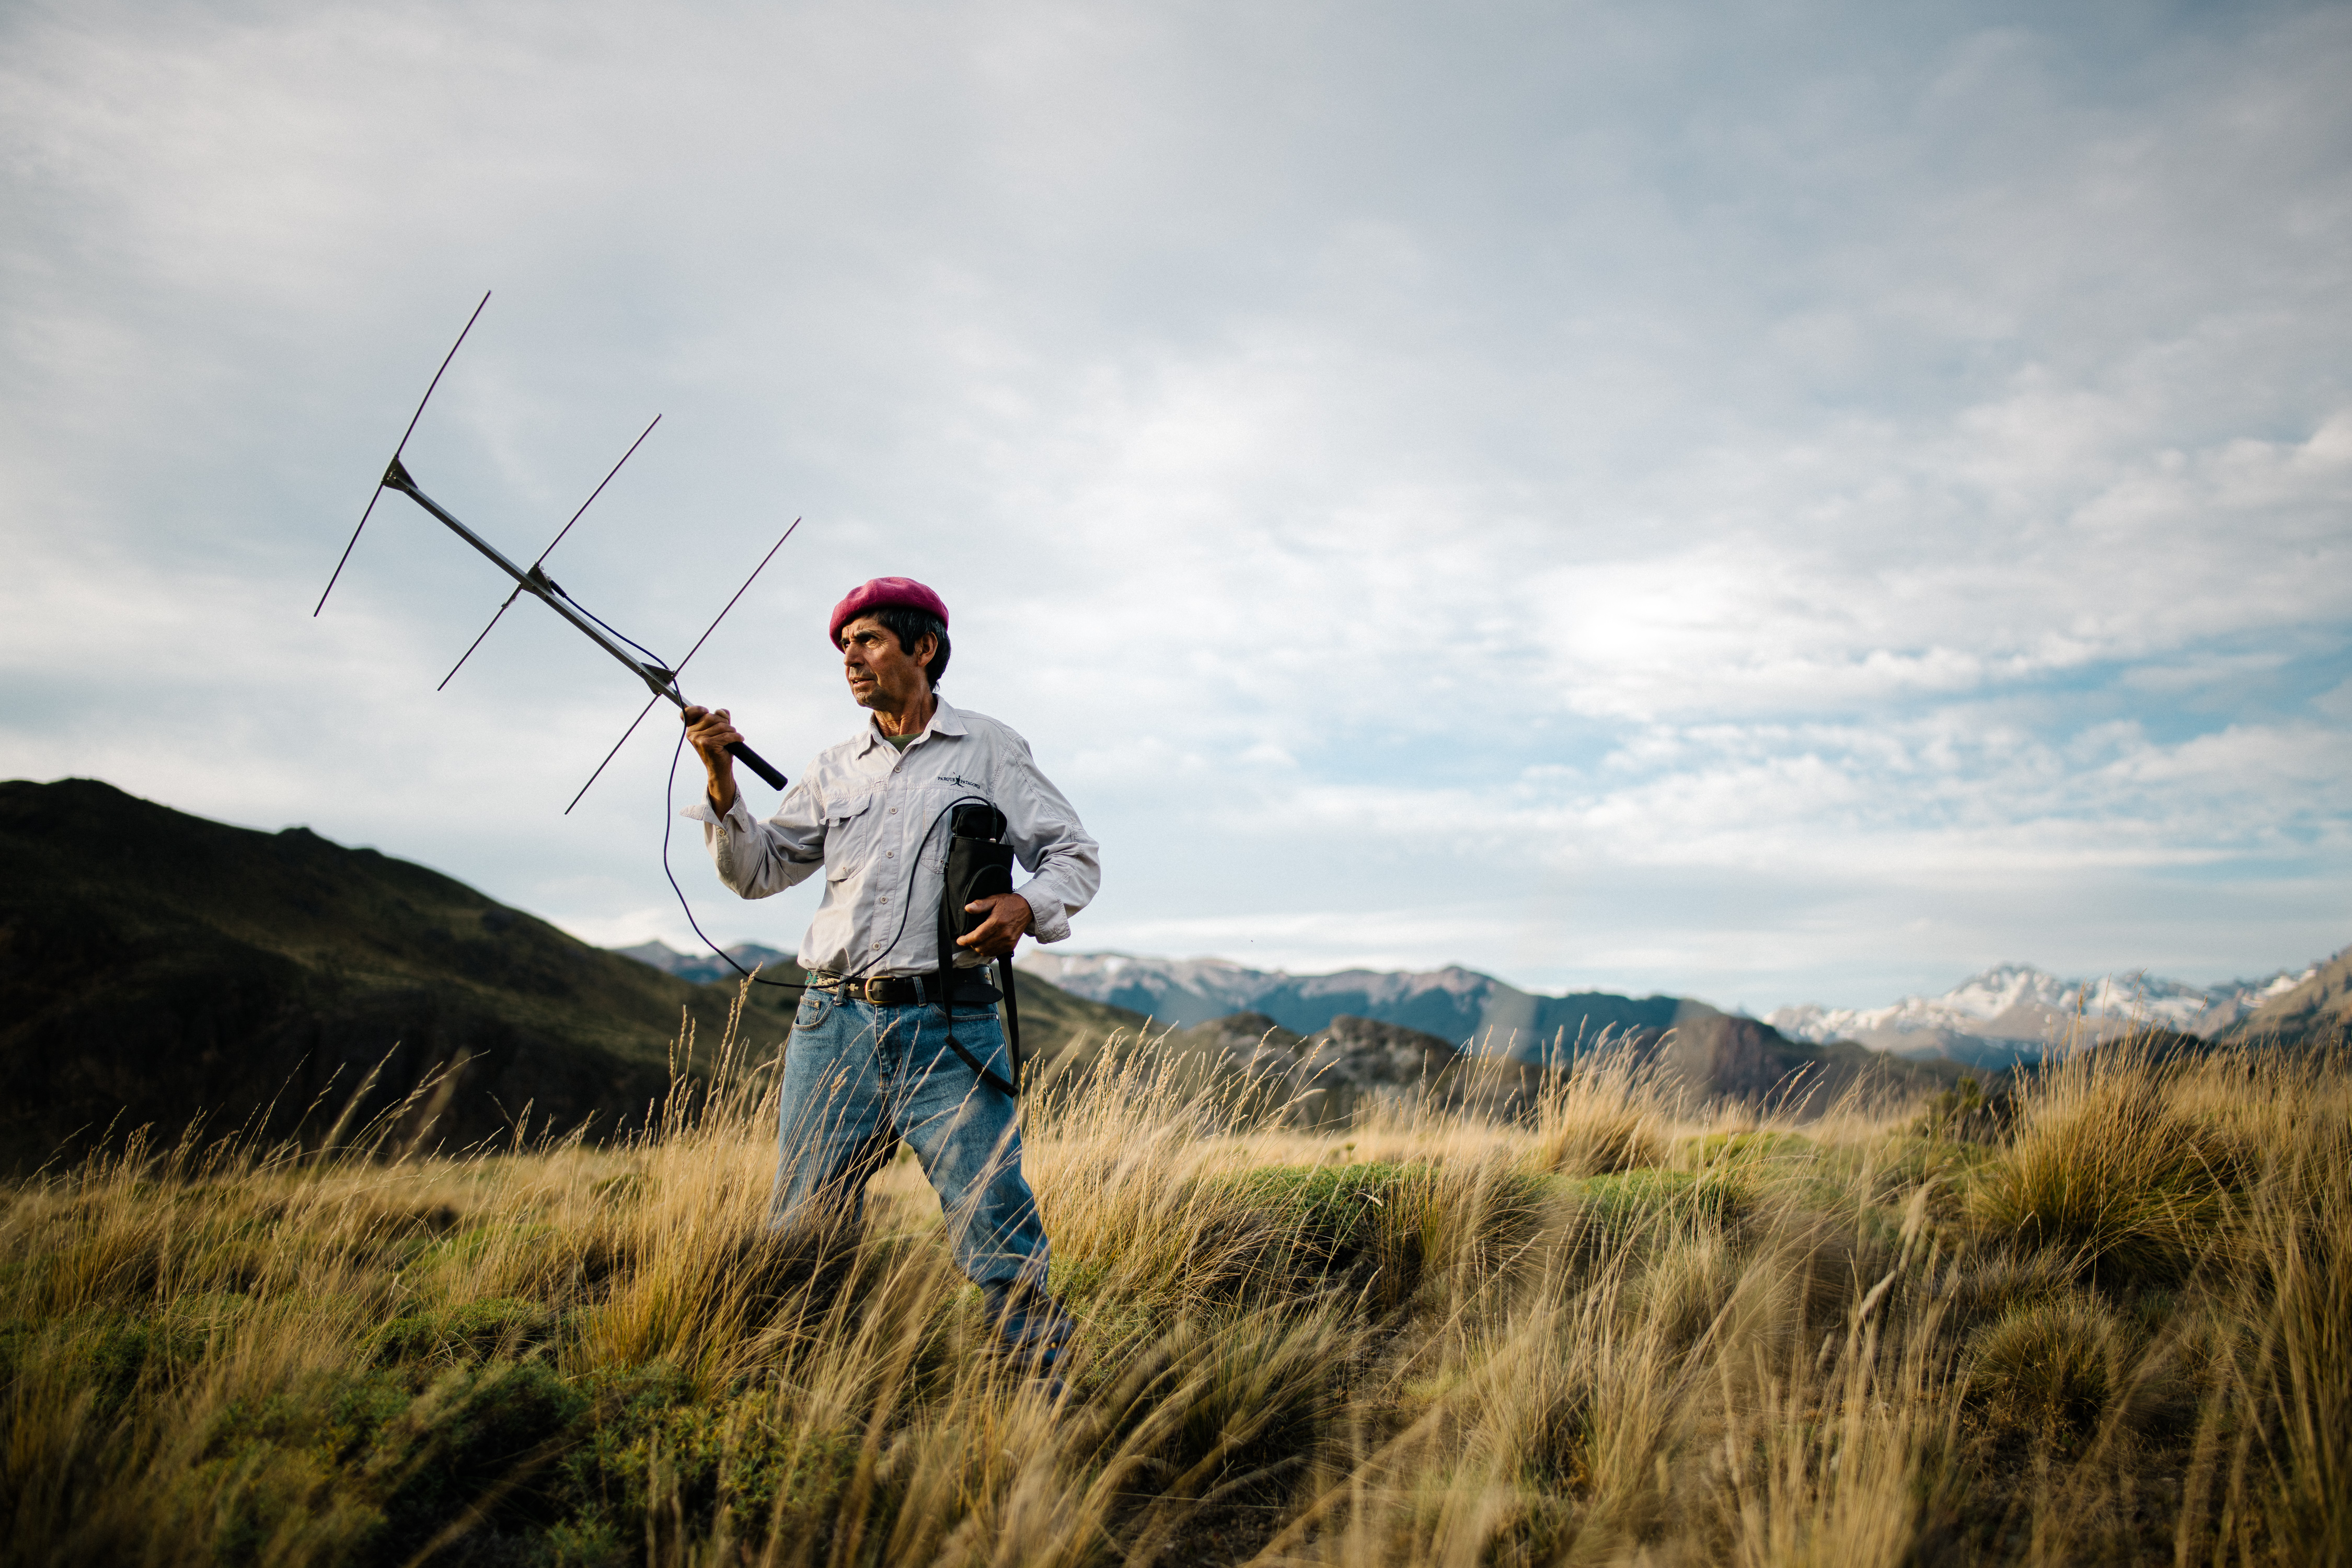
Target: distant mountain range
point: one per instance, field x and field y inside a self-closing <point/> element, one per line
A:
<point x="1460" y="1006"/>
<point x="2014" y="1012"/>
<point x="2005" y="1016"/>
<point x="1454" y="1003"/>
<point x="1475" y="1012"/>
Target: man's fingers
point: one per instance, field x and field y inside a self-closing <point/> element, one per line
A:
<point x="998" y="934"/>
<point x="710" y="731"/>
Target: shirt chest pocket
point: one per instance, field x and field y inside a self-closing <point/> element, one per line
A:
<point x="852" y="830"/>
<point x="934" y="803"/>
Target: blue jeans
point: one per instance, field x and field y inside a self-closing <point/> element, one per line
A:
<point x="857" y="1079"/>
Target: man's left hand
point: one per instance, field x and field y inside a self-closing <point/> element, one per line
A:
<point x="1000" y="933"/>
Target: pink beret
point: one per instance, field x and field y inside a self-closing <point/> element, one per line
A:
<point x="881" y="594"/>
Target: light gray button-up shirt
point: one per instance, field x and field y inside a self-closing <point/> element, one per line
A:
<point x="874" y="819"/>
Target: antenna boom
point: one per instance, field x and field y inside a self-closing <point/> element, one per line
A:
<point x="535" y="581"/>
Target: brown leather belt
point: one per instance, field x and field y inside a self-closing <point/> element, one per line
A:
<point x="900" y="990"/>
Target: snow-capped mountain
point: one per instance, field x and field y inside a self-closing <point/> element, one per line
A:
<point x="1450" y="1003"/>
<point x="2014" y="1011"/>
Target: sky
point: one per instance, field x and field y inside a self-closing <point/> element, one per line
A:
<point x="1775" y="503"/>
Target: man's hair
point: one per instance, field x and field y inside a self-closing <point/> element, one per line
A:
<point x="911" y="626"/>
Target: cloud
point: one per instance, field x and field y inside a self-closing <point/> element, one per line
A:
<point x="1774" y="505"/>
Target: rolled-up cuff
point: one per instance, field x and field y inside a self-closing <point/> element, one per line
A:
<point x="738" y="818"/>
<point x="1047" y="922"/>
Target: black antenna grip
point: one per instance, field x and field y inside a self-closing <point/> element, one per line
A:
<point x="757" y="763"/>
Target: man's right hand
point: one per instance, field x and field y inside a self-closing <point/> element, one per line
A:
<point x="710" y="733"/>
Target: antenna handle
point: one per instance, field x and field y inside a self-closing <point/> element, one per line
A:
<point x="757" y="763"/>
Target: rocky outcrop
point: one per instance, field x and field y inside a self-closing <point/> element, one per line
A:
<point x="1311" y="1081"/>
<point x="1364" y="1053"/>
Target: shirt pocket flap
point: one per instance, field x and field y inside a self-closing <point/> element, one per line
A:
<point x="848" y="833"/>
<point x="841" y="808"/>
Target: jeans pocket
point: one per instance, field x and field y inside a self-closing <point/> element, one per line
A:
<point x="815" y="1005"/>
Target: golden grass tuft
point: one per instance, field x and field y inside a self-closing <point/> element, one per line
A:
<point x="2106" y="1167"/>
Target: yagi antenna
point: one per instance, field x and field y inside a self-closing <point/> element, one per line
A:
<point x="661" y="680"/>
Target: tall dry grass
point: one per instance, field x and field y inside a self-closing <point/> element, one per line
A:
<point x="1623" y="1328"/>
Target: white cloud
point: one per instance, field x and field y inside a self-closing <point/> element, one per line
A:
<point x="1804" y="497"/>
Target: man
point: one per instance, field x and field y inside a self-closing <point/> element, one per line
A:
<point x="870" y="1060"/>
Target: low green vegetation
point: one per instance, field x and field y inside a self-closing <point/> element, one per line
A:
<point x="2110" y="1321"/>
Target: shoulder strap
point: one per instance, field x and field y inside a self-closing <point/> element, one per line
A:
<point x="946" y="983"/>
<point x="1011" y="1017"/>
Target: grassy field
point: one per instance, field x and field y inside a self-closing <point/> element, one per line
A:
<point x="2109" y="1321"/>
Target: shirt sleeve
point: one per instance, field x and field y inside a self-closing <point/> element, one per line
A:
<point x="1064" y="863"/>
<point x="760" y="858"/>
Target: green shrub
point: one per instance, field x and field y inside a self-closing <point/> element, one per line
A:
<point x="1288" y="1229"/>
<point x="1631" y="1200"/>
<point x="497" y="1328"/>
<point x="1715" y="1149"/>
<point x="409" y="1461"/>
<point x="478" y="1437"/>
<point x="651" y="1447"/>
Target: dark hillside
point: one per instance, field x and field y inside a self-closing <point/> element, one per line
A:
<point x="153" y="962"/>
<point x="1053" y="1021"/>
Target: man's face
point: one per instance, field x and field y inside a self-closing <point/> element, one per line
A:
<point x="881" y="674"/>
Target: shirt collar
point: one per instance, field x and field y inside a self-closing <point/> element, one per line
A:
<point x="945" y="721"/>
